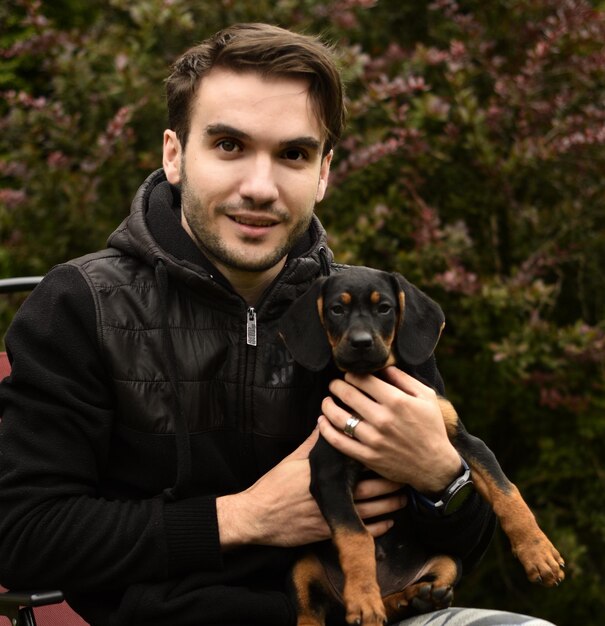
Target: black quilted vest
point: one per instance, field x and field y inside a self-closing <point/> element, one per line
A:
<point x="233" y="410"/>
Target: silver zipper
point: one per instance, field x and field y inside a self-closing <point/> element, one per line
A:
<point x="251" y="326"/>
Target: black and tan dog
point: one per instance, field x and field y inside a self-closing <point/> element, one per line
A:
<point x="364" y="320"/>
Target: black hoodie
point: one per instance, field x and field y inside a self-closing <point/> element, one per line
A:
<point x="134" y="401"/>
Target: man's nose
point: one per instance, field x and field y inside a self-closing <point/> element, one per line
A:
<point x="258" y="184"/>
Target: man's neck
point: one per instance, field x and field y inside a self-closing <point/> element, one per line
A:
<point x="251" y="285"/>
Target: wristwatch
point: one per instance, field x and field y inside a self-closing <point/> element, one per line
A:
<point x="451" y="498"/>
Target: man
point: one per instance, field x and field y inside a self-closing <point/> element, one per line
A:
<point x="156" y="432"/>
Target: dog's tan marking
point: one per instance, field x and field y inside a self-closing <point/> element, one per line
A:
<point x="541" y="560"/>
<point x="450" y="417"/>
<point x="346" y="297"/>
<point x="401" y="311"/>
<point x="333" y="341"/>
<point x="440" y="573"/>
<point x="320" y="310"/>
<point x="389" y="341"/>
<point x="375" y="297"/>
<point x="391" y="359"/>
<point x="306" y="573"/>
<point x="361" y="595"/>
<point x="388" y="345"/>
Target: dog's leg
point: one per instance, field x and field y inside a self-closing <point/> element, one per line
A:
<point x="432" y="590"/>
<point x="311" y="591"/>
<point x="540" y="559"/>
<point x="361" y="594"/>
<point x="333" y="477"/>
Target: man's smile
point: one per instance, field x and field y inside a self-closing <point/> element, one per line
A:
<point x="252" y="220"/>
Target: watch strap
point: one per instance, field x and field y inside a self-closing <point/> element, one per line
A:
<point x="450" y="499"/>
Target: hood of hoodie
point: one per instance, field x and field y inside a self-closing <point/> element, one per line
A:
<point x="148" y="234"/>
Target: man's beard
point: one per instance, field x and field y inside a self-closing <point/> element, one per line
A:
<point x="212" y="245"/>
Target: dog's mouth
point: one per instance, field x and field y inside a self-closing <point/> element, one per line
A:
<point x="360" y="365"/>
<point x="358" y="360"/>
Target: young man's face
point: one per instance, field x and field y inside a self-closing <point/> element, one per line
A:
<point x="252" y="169"/>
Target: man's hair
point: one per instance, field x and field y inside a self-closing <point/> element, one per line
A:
<point x="269" y="51"/>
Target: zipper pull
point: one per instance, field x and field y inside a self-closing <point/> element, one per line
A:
<point x="251" y="327"/>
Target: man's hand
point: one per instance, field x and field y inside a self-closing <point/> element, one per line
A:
<point x="401" y="436"/>
<point x="279" y="510"/>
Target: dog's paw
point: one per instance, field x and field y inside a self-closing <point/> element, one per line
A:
<point x="432" y="591"/>
<point x="365" y="609"/>
<point x="541" y="560"/>
<point x="421" y="597"/>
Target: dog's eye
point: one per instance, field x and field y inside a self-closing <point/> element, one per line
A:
<point x="337" y="309"/>
<point x="384" y="308"/>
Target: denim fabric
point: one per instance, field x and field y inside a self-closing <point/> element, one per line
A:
<point x="472" y="617"/>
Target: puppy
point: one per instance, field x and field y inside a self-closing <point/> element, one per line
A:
<point x="364" y="320"/>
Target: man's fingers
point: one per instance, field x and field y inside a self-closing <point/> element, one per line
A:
<point x="374" y="488"/>
<point x="339" y="418"/>
<point x="382" y="506"/>
<point x="405" y="382"/>
<point x="335" y="437"/>
<point x="360" y="402"/>
<point x="376" y="529"/>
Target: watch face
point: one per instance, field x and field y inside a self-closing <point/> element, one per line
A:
<point x="458" y="498"/>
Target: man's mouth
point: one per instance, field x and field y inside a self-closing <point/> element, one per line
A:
<point x="249" y="221"/>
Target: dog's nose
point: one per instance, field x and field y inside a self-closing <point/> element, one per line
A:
<point x="361" y="339"/>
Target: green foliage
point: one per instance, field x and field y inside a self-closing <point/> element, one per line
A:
<point x="473" y="164"/>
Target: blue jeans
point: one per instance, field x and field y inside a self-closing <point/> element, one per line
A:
<point x="456" y="616"/>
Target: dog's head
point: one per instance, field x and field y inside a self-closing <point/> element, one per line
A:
<point x="364" y="319"/>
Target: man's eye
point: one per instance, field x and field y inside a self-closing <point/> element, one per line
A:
<point x="294" y="154"/>
<point x="226" y="145"/>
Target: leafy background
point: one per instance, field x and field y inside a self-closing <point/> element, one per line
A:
<point x="473" y="163"/>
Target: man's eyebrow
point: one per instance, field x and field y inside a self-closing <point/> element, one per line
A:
<point x="302" y="142"/>
<point x="214" y="130"/>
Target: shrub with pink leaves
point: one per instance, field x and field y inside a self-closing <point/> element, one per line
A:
<point x="474" y="163"/>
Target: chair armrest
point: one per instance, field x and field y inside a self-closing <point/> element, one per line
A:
<point x="18" y="605"/>
<point x="29" y="598"/>
<point x="23" y="283"/>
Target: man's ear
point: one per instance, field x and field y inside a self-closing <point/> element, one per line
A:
<point x="302" y="330"/>
<point x="172" y="157"/>
<point x="421" y="323"/>
<point x="324" y="174"/>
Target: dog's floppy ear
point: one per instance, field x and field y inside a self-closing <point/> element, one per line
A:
<point x="421" y="323"/>
<point x="302" y="331"/>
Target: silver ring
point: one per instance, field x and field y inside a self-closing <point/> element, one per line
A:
<point x="350" y="426"/>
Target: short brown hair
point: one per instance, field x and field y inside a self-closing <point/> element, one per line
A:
<point x="267" y="50"/>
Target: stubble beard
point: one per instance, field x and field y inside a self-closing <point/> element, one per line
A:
<point x="213" y="246"/>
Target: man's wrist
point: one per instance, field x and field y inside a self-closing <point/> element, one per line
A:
<point x="234" y="526"/>
<point x="450" y="500"/>
<point x="437" y="480"/>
